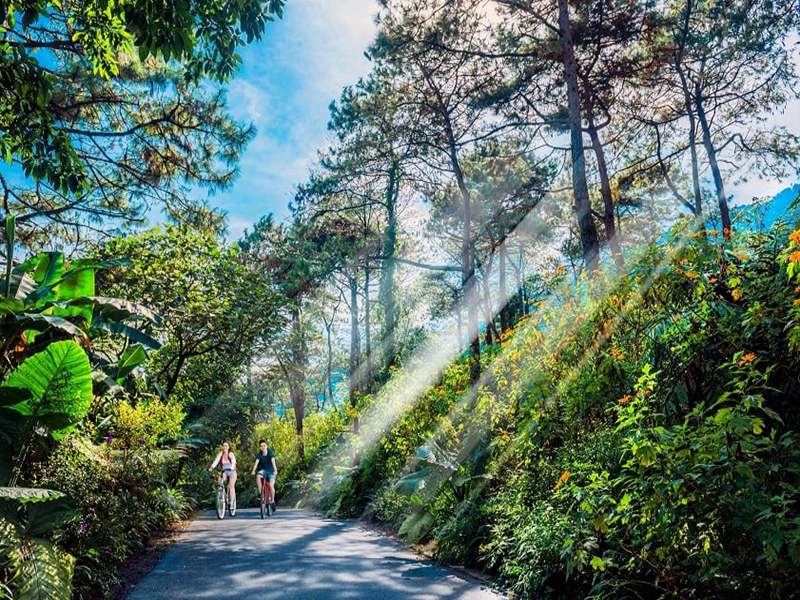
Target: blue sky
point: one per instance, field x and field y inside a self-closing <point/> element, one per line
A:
<point x="284" y="88"/>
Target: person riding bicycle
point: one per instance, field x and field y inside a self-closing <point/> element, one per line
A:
<point x="227" y="462"/>
<point x="267" y="470"/>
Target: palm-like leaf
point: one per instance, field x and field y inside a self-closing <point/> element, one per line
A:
<point x="38" y="569"/>
<point x="59" y="380"/>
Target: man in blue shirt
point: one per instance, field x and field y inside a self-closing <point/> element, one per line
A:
<point x="267" y="469"/>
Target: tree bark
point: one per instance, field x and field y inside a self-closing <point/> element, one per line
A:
<point x="605" y="191"/>
<point x="712" y="162"/>
<point x="296" y="381"/>
<point x="504" y="321"/>
<point x="387" y="284"/>
<point x="367" y="379"/>
<point x="355" y="347"/>
<point x="582" y="204"/>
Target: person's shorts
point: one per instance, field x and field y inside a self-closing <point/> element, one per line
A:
<point x="229" y="473"/>
<point x="270" y="475"/>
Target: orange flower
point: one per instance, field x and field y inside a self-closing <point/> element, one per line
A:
<point x="794" y="237"/>
<point x="676" y="318"/>
<point x="726" y="232"/>
<point x="624" y="399"/>
<point x="796" y="301"/>
<point x="564" y="476"/>
<point x="691" y="275"/>
<point x="712" y="232"/>
<point x="679" y="271"/>
<point x="794" y="256"/>
<point x="712" y="280"/>
<point x="749" y="357"/>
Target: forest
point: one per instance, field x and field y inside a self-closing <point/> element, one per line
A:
<point x="519" y="315"/>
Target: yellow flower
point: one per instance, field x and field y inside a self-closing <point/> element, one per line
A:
<point x="749" y="357"/>
<point x="796" y="301"/>
<point x="564" y="476"/>
<point x="737" y="294"/>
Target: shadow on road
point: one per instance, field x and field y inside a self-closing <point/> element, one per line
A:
<point x="296" y="554"/>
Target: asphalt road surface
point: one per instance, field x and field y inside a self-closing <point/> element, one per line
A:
<point x="296" y="554"/>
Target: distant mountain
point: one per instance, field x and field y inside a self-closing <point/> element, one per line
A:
<point x="762" y="215"/>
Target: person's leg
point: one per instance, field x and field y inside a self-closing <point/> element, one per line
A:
<point x="258" y="481"/>
<point x="232" y="488"/>
<point x="272" y="489"/>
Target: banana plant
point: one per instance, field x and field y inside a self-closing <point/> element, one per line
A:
<point x="442" y="472"/>
<point x="51" y="389"/>
<point x="37" y="568"/>
<point x="45" y="295"/>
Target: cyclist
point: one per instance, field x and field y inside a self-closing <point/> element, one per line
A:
<point x="267" y="469"/>
<point x="227" y="462"/>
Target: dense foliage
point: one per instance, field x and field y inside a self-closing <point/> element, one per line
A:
<point x="635" y="439"/>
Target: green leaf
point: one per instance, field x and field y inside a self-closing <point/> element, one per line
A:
<point x="44" y="517"/>
<point x="130" y="359"/>
<point x="49" y="270"/>
<point x="416" y="525"/>
<point x="132" y="334"/>
<point x="116" y="309"/>
<point x="60" y="382"/>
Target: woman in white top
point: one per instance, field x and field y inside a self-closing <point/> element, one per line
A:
<point x="227" y="462"/>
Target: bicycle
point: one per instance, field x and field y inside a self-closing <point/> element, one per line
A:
<point x="266" y="506"/>
<point x="222" y="501"/>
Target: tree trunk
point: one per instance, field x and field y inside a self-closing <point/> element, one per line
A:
<point x="330" y="363"/>
<point x="297" y="377"/>
<point x="580" y="187"/>
<point x="504" y="321"/>
<point x="387" y="284"/>
<point x="605" y="190"/>
<point x="687" y="99"/>
<point x="367" y="379"/>
<point x="712" y="162"/>
<point x="460" y="325"/>
<point x="468" y="279"/>
<point x="355" y="347"/>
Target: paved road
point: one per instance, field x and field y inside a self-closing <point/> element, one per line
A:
<point x="297" y="554"/>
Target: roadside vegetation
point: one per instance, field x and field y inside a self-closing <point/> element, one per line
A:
<point x="513" y="315"/>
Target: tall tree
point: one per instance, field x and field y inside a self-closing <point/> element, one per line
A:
<point x="213" y="307"/>
<point x="94" y="125"/>
<point x="441" y="118"/>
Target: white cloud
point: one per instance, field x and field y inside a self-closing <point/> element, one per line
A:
<point x="285" y="87"/>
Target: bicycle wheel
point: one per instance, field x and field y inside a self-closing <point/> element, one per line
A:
<point x="220" y="502"/>
<point x="263" y="506"/>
